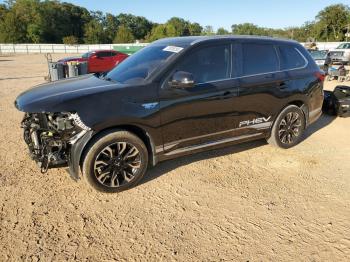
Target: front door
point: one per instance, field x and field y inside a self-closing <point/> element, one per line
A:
<point x="197" y="117"/>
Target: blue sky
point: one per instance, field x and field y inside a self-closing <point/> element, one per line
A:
<point x="268" y="13"/>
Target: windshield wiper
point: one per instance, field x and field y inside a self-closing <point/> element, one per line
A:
<point x="103" y="76"/>
<point x="109" y="79"/>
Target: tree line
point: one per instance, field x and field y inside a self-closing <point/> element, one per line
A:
<point x="36" y="21"/>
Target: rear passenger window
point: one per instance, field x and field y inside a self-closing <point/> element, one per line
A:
<point x="290" y="58"/>
<point x="259" y="58"/>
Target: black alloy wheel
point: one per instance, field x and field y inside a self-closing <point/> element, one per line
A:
<point x="117" y="164"/>
<point x="290" y="128"/>
<point x="114" y="161"/>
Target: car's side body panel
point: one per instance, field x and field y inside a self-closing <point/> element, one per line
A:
<point x="241" y="108"/>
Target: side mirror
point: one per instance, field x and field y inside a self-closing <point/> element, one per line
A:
<point x="182" y="79"/>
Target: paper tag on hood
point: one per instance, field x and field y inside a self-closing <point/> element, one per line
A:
<point x="174" y="49"/>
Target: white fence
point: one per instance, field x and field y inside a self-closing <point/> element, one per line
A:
<point x="326" y="45"/>
<point x="61" y="48"/>
<point x="56" y="48"/>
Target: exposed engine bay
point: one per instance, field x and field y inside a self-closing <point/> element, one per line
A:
<point x="50" y="136"/>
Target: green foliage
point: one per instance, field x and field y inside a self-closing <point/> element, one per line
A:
<point x="248" y="29"/>
<point x="94" y="33"/>
<point x="111" y="27"/>
<point x="3" y="10"/>
<point x="21" y="22"/>
<point x="124" y="35"/>
<point x="11" y="29"/>
<point x="37" y="21"/>
<point x="138" y="25"/>
<point x="333" y="22"/>
<point x="70" y="40"/>
<point x="53" y="21"/>
<point x="175" y="26"/>
<point x="222" y="31"/>
<point x="195" y="29"/>
<point x="158" y="32"/>
<point x="34" y="33"/>
<point x="208" y="30"/>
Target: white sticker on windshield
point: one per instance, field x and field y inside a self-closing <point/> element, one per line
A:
<point x="174" y="49"/>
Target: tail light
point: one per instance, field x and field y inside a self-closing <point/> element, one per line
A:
<point x="320" y="75"/>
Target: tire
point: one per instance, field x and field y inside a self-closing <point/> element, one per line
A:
<point x="117" y="160"/>
<point x="287" y="132"/>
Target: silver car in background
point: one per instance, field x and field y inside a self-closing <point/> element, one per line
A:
<point x="322" y="59"/>
<point x="341" y="54"/>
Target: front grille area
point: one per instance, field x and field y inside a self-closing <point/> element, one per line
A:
<point x="336" y="53"/>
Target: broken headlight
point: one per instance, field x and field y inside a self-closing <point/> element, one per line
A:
<point x="49" y="136"/>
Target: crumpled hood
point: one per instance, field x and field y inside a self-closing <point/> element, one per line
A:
<point x="50" y="97"/>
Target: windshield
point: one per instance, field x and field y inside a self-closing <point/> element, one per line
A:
<point x="319" y="54"/>
<point x="139" y="66"/>
<point x="344" y="46"/>
<point x="86" y="55"/>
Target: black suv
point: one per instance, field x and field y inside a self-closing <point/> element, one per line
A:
<point x="176" y="96"/>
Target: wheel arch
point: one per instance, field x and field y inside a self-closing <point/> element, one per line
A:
<point x="79" y="150"/>
<point x="299" y="103"/>
<point x="134" y="129"/>
<point x="303" y="106"/>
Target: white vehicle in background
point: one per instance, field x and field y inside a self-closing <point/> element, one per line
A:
<point x="321" y="58"/>
<point x="341" y="54"/>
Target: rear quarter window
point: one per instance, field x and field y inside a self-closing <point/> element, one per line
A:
<point x="291" y="58"/>
<point x="259" y="58"/>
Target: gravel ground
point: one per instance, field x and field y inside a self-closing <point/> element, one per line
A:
<point x="248" y="202"/>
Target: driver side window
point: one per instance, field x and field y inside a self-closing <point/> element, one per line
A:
<point x="208" y="64"/>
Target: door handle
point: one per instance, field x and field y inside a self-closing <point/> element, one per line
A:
<point x="282" y="85"/>
<point x="228" y="94"/>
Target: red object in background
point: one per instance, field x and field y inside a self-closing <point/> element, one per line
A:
<point x="98" y="61"/>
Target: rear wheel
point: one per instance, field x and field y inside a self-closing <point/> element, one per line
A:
<point x="116" y="161"/>
<point x="288" y="128"/>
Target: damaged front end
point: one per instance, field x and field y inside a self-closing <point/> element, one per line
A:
<point x="51" y="136"/>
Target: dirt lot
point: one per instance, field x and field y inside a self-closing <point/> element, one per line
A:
<point x="248" y="202"/>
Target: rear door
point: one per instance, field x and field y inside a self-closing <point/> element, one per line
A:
<point x="300" y="78"/>
<point x="261" y="86"/>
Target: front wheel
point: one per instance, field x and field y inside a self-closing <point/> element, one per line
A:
<point x="116" y="161"/>
<point x="288" y="128"/>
